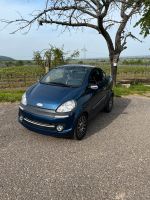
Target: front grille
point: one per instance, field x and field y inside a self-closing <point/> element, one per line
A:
<point x="40" y="111"/>
<point x="39" y="123"/>
<point x="43" y="112"/>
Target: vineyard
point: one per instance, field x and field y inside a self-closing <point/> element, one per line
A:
<point x="19" y="76"/>
<point x="24" y="76"/>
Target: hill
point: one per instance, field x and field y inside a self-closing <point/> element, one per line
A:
<point x="5" y="58"/>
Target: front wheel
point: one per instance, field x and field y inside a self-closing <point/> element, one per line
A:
<point x="109" y="106"/>
<point x="81" y="127"/>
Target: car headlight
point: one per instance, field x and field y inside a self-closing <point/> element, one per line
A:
<point x="66" y="107"/>
<point x="24" y="99"/>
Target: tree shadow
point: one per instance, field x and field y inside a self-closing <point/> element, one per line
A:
<point x="102" y="119"/>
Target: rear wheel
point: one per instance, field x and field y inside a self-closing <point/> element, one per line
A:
<point x="109" y="106"/>
<point x="81" y="127"/>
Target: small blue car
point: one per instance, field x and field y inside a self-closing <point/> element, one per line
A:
<point x="63" y="101"/>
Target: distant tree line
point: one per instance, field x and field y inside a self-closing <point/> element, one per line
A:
<point x="136" y="62"/>
<point x="15" y="63"/>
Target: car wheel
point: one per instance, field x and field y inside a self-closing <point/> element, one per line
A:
<point x="109" y="106"/>
<point x="81" y="127"/>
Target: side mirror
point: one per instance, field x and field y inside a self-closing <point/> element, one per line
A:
<point x="93" y="87"/>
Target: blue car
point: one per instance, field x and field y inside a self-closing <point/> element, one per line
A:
<point x="63" y="101"/>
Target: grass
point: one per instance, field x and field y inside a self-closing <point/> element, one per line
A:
<point x="139" y="89"/>
<point x="10" y="95"/>
<point x="15" y="95"/>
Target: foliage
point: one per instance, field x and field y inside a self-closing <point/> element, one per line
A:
<point x="38" y="58"/>
<point x="145" y="19"/>
<point x="57" y="56"/>
<point x="53" y="57"/>
<point x="74" y="55"/>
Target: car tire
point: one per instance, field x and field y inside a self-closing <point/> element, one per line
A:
<point x="109" y="106"/>
<point x="81" y="127"/>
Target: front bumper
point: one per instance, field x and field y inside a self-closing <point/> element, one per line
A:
<point x="46" y="121"/>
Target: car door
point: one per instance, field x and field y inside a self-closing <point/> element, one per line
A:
<point x="96" y="101"/>
<point x="102" y="88"/>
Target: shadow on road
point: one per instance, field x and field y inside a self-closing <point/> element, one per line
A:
<point x="103" y="119"/>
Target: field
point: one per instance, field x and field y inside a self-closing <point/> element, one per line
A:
<point x="23" y="76"/>
<point x="19" y="76"/>
<point x="15" y="79"/>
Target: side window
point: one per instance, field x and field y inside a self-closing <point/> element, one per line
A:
<point x="96" y="77"/>
<point x="92" y="77"/>
<point x="101" y="75"/>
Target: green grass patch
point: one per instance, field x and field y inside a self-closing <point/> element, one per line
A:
<point x="10" y="95"/>
<point x="134" y="89"/>
<point x="15" y="95"/>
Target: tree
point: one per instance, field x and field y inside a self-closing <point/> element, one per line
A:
<point x="53" y="57"/>
<point x="99" y="15"/>
<point x="74" y="55"/>
<point x="58" y="56"/>
<point x="145" y="19"/>
<point x="38" y="58"/>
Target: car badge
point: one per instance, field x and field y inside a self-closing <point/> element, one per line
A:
<point x="39" y="104"/>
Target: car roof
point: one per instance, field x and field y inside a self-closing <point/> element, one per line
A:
<point x="78" y="65"/>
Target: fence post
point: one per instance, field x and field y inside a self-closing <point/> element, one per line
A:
<point x="25" y="80"/>
<point x="8" y="79"/>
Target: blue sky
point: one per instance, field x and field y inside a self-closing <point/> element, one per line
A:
<point x="20" y="46"/>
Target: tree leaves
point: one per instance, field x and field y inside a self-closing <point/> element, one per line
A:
<point x="144" y="22"/>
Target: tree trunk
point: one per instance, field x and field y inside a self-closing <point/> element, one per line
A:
<point x="46" y="69"/>
<point x="47" y="65"/>
<point x="114" y="67"/>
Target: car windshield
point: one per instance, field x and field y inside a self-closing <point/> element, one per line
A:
<point x="71" y="76"/>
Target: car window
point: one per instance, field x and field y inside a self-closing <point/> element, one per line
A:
<point x="69" y="76"/>
<point x="96" y="77"/>
<point x="57" y="74"/>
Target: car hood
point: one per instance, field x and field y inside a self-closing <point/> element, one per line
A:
<point x="51" y="96"/>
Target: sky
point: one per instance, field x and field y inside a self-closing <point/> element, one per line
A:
<point x="21" y="46"/>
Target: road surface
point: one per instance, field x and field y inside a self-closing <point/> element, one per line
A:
<point x="111" y="163"/>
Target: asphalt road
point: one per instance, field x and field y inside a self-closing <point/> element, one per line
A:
<point x="111" y="163"/>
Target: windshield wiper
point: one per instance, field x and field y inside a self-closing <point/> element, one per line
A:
<point x="54" y="83"/>
<point x="59" y="84"/>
